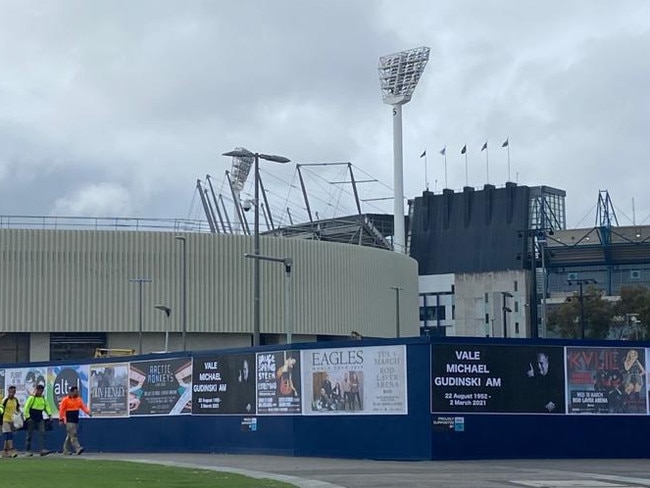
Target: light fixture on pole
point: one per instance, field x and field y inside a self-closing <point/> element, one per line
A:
<point x="506" y="310"/>
<point x="288" y="303"/>
<point x="184" y="272"/>
<point x="245" y="153"/>
<point x="140" y="282"/>
<point x="168" y="312"/>
<point x="399" y="74"/>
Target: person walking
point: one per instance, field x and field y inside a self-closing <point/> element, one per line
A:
<point x="35" y="406"/>
<point x="9" y="407"/>
<point x="69" y="415"/>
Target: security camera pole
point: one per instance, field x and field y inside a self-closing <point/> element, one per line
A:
<point x="256" y="242"/>
<point x="399" y="74"/>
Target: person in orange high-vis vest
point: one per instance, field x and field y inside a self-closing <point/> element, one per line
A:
<point x="69" y="415"/>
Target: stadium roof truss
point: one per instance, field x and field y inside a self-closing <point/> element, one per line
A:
<point x="598" y="246"/>
<point x="363" y="229"/>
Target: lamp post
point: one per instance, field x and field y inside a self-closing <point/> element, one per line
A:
<point x="140" y="282"/>
<point x="581" y="300"/>
<point x="288" y="308"/>
<point x="536" y="244"/>
<point x="184" y="301"/>
<point x="506" y="310"/>
<point x="399" y="74"/>
<point x="397" y="315"/>
<point x="168" y="312"/>
<point x="256" y="233"/>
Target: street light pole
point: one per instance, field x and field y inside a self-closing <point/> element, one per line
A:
<point x="140" y="282"/>
<point x="581" y="301"/>
<point x="256" y="252"/>
<point x="256" y="231"/>
<point x="288" y="302"/>
<point x="184" y="301"/>
<point x="397" y="314"/>
<point x="168" y="312"/>
<point x="582" y="311"/>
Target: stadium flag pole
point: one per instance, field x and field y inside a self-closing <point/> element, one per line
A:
<point x="487" y="161"/>
<point x="464" y="151"/>
<point x="506" y="144"/>
<point x="426" y="177"/>
<point x="443" y="151"/>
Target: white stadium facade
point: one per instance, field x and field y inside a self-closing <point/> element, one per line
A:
<point x="66" y="292"/>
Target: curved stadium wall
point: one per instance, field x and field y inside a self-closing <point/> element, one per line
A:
<point x="67" y="282"/>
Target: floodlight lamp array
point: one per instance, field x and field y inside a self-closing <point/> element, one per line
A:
<point x="400" y="73"/>
<point x="241" y="167"/>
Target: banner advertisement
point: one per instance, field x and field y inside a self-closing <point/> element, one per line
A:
<point x="59" y="381"/>
<point x="25" y="380"/>
<point x="109" y="385"/>
<point x="606" y="380"/>
<point x="2" y="384"/>
<point x="363" y="380"/>
<point x="497" y="379"/>
<point x="223" y="384"/>
<point x="160" y="387"/>
<point x="278" y="383"/>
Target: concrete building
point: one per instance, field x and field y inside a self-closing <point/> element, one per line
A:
<point x="475" y="248"/>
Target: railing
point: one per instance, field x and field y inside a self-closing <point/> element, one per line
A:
<point x="101" y="223"/>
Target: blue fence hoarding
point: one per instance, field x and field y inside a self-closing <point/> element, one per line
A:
<point x="414" y="398"/>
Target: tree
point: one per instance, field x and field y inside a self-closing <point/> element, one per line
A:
<point x="633" y="311"/>
<point x="565" y="320"/>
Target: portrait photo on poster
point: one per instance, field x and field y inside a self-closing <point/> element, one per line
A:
<point x="223" y="384"/>
<point x="485" y="378"/>
<point x="355" y="380"/>
<point x="278" y="382"/>
<point x="109" y="388"/>
<point x="606" y="380"/>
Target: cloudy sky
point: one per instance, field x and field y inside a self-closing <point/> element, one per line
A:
<point x="116" y="108"/>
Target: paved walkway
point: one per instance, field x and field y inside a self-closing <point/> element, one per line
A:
<point x="337" y="473"/>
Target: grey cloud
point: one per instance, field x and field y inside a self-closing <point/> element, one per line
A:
<point x="143" y="97"/>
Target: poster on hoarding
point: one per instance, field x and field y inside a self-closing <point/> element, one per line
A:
<point x="497" y="379"/>
<point x="355" y="380"/>
<point x="223" y="384"/>
<point x="606" y="380"/>
<point x="59" y="381"/>
<point x="160" y="387"/>
<point x="109" y="386"/>
<point x="25" y="380"/>
<point x="278" y="383"/>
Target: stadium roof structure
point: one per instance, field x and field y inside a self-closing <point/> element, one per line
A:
<point x="362" y="229"/>
<point x="599" y="245"/>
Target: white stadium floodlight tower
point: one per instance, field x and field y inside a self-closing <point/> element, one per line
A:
<point x="241" y="168"/>
<point x="399" y="74"/>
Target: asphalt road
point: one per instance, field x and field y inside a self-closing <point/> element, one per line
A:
<point x="334" y="473"/>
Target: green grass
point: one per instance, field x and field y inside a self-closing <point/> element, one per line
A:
<point x="74" y="473"/>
